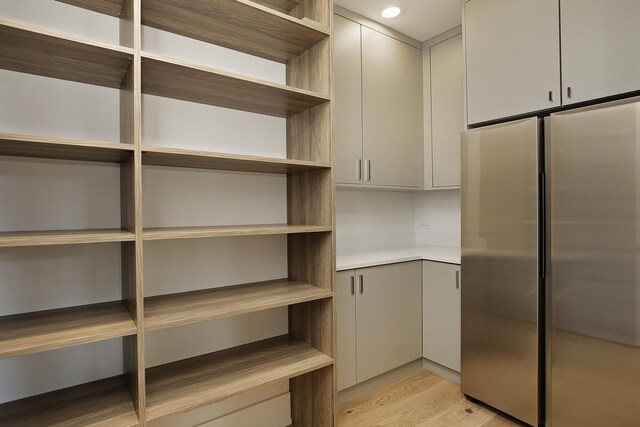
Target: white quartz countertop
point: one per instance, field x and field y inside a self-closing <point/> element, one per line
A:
<point x="381" y="257"/>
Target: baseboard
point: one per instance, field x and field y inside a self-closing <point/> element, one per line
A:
<point x="442" y="371"/>
<point x="360" y="389"/>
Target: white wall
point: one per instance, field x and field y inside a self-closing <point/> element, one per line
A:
<point x="437" y="218"/>
<point x="52" y="194"/>
<point x="368" y="220"/>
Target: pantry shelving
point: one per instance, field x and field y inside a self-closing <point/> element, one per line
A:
<point x="188" y="384"/>
<point x="51" y="329"/>
<point x="63" y="148"/>
<point x="296" y="33"/>
<point x="33" y="50"/>
<point x="106" y="402"/>
<point x="177" y="79"/>
<point x="190" y="307"/>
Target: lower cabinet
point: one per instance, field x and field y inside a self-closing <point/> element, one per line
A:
<point x="378" y="320"/>
<point x="441" y="313"/>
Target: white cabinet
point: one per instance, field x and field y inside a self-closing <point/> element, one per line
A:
<point x="375" y="330"/>
<point x="441" y="313"/>
<point x="391" y="111"/>
<point x="379" y="320"/>
<point x="346" y="329"/>
<point x="378" y="108"/>
<point x="512" y="57"/>
<point x="600" y="48"/>
<point x="447" y="113"/>
<point x="347" y="119"/>
<point x="407" y="277"/>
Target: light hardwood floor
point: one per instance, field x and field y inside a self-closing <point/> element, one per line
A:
<point x="418" y="399"/>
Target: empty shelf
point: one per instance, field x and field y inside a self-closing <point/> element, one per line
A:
<point x="178" y="79"/>
<point x="108" y="7"/>
<point x="230" y="162"/>
<point x="62" y="148"/>
<point x="168" y="233"/>
<point x="241" y="25"/>
<point x="189" y="307"/>
<point x="64" y="237"/>
<point x="284" y="6"/>
<point x="187" y="384"/>
<point x="32" y="50"/>
<point x="47" y="330"/>
<point x="100" y="403"/>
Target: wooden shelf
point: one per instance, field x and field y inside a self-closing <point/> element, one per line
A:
<point x="62" y="148"/>
<point x="284" y="6"/>
<point x="100" y="403"/>
<point x="48" y="330"/>
<point x="190" y="307"/>
<point x="32" y="50"/>
<point x="108" y="7"/>
<point x="169" y="233"/>
<point x="241" y="25"/>
<point x="230" y="162"/>
<point x="177" y="79"/>
<point x="9" y="239"/>
<point x="181" y="386"/>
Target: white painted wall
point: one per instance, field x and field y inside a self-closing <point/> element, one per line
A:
<point x="368" y="220"/>
<point x="52" y="194"/>
<point x="437" y="218"/>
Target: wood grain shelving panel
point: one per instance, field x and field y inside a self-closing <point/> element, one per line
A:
<point x="51" y="329"/>
<point x="33" y="50"/>
<point x="190" y="307"/>
<point x="62" y="148"/>
<point x="108" y="7"/>
<point x="172" y="78"/>
<point x="10" y="239"/>
<point x="240" y="25"/>
<point x="284" y="6"/>
<point x="187" y="384"/>
<point x="169" y="233"/>
<point x="105" y="402"/>
<point x="230" y="162"/>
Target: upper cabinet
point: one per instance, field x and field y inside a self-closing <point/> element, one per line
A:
<point x="347" y="120"/>
<point x="391" y="110"/>
<point x="513" y="54"/>
<point x="512" y="57"/>
<point x="600" y="42"/>
<point x="378" y="108"/>
<point x="447" y="114"/>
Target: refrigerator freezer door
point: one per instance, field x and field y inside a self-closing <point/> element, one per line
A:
<point x="593" y="161"/>
<point x="500" y="272"/>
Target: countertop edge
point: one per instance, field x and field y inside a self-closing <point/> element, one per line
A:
<point x="350" y="262"/>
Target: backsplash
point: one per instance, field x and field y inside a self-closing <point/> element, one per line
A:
<point x="368" y="220"/>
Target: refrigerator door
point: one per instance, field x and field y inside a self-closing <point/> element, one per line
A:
<point x="500" y="271"/>
<point x="593" y="162"/>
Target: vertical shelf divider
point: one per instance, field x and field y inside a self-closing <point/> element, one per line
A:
<point x="131" y="203"/>
<point x="310" y="200"/>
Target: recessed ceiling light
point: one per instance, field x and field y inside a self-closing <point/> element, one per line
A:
<point x="391" y="12"/>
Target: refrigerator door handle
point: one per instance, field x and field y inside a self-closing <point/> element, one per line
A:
<point x="542" y="239"/>
<point x="457" y="279"/>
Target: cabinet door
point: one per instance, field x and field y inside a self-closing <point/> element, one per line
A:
<point x="512" y="56"/>
<point x="441" y="328"/>
<point x="375" y="322"/>
<point x="408" y="311"/>
<point x="600" y="42"/>
<point x="347" y="119"/>
<point x="447" y="106"/>
<point x="346" y="328"/>
<point x="392" y="111"/>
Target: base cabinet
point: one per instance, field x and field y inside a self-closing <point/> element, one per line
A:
<point x="378" y="320"/>
<point x="441" y="313"/>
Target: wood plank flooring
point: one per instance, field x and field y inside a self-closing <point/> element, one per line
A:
<point x="418" y="399"/>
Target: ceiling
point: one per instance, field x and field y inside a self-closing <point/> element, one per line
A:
<point x="422" y="19"/>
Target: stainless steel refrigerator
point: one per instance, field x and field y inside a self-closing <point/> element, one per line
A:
<point x="551" y="267"/>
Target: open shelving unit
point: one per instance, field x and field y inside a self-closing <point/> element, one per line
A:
<point x="294" y="32"/>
